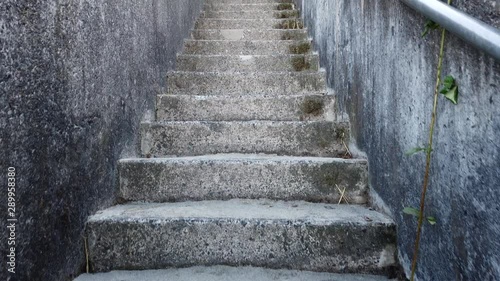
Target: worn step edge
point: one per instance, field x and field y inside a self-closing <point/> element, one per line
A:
<point x="248" y="7"/>
<point x="223" y="177"/>
<point x="225" y="273"/>
<point x="246" y="47"/>
<point x="235" y="83"/>
<point x="262" y="233"/>
<point x="191" y="138"/>
<point x="284" y="14"/>
<point x="249" y="34"/>
<point x="249" y="1"/>
<point x="248" y="63"/>
<point x="220" y="23"/>
<point x="245" y="108"/>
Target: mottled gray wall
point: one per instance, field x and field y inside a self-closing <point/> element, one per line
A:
<point x="383" y="73"/>
<point x="76" y="77"/>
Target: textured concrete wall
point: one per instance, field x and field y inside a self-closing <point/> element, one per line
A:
<point x="384" y="73"/>
<point x="76" y="77"/>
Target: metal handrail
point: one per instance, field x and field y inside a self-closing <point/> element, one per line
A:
<point x="479" y="34"/>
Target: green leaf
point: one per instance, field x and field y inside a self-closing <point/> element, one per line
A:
<point x="450" y="89"/>
<point x="452" y="94"/>
<point x="411" y="211"/>
<point x="416" y="150"/>
<point x="432" y="220"/>
<point x="449" y="82"/>
<point x="429" y="25"/>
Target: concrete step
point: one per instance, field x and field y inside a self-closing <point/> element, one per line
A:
<point x="262" y="233"/>
<point x="225" y="273"/>
<point x="314" y="138"/>
<point x="209" y="23"/>
<point x="247" y="63"/>
<point x="245" y="108"/>
<point x="246" y="83"/>
<point x="230" y="176"/>
<point x="247" y="47"/>
<point x="247" y="1"/>
<point x="249" y="34"/>
<point x="229" y="6"/>
<point x="284" y="14"/>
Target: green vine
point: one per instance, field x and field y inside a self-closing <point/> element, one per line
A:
<point x="450" y="91"/>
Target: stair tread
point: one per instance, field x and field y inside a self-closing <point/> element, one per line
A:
<point x="246" y="107"/>
<point x="242" y="97"/>
<point x="251" y="1"/>
<point x="270" y="14"/>
<point x="225" y="273"/>
<point x="246" y="41"/>
<point x="243" y="209"/>
<point x="211" y="23"/>
<point x="313" y="54"/>
<point x="245" y="74"/>
<point x="251" y="20"/>
<point x="249" y="34"/>
<point x="261" y="4"/>
<point x="236" y="83"/>
<point x="246" y="157"/>
<point x="249" y="75"/>
<point x="249" y="122"/>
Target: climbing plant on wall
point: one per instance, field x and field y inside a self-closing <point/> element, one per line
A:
<point x="449" y="89"/>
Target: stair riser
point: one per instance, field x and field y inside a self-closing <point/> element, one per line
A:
<point x="249" y="34"/>
<point x="248" y="7"/>
<point x="161" y="244"/>
<point x="195" y="83"/>
<point x="282" y="138"/>
<point x="244" y="108"/>
<point x="194" y="47"/>
<point x="163" y="180"/>
<point x="251" y="14"/>
<point x="249" y="24"/>
<point x="248" y="63"/>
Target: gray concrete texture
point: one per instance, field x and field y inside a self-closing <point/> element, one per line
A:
<point x="223" y="177"/>
<point x="216" y="23"/>
<point x="75" y="79"/>
<point x="247" y="1"/>
<point x="227" y="83"/>
<point x="225" y="273"/>
<point x="250" y="14"/>
<point x="246" y="108"/>
<point x="246" y="47"/>
<point x="191" y="138"/>
<point x="261" y="233"/>
<point x="221" y="6"/>
<point x="249" y="34"/>
<point x="244" y="63"/>
<point x="383" y="73"/>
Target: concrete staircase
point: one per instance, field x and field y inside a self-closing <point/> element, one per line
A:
<point x="244" y="168"/>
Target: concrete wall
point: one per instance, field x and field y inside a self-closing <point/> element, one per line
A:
<point x="76" y="77"/>
<point x="383" y="73"/>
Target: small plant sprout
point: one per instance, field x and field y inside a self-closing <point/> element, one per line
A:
<point x="429" y="26"/>
<point x="416" y="150"/>
<point x="416" y="213"/>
